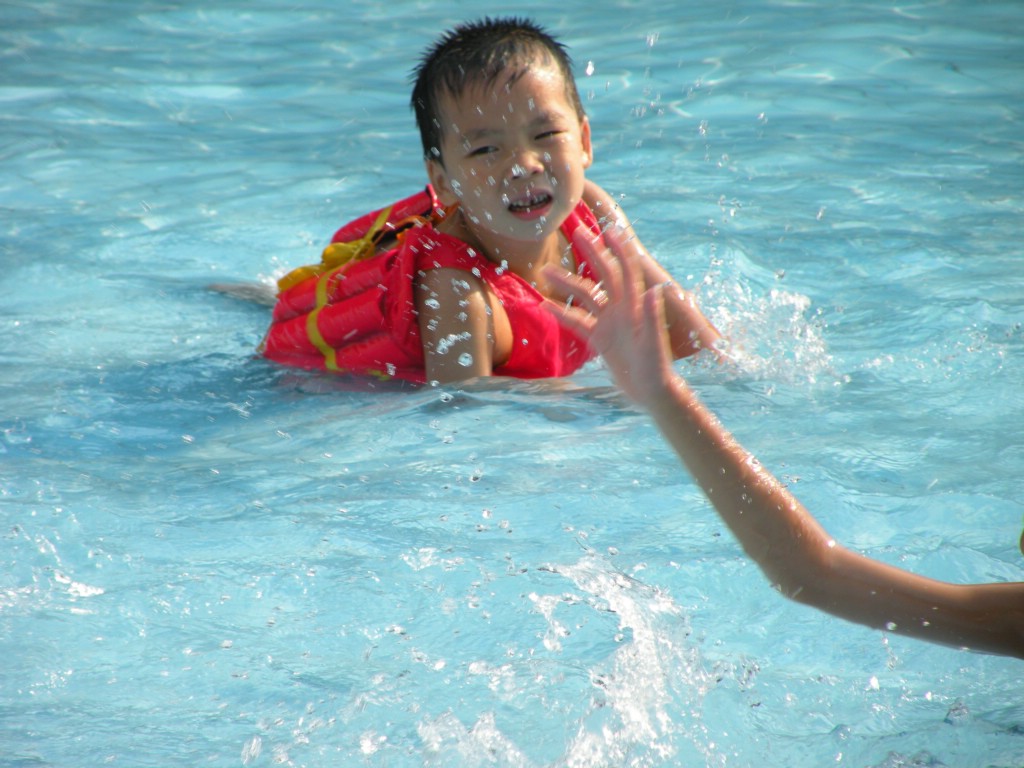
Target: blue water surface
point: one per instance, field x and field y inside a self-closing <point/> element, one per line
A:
<point x="207" y="560"/>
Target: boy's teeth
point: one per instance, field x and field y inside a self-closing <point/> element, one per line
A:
<point x="533" y="202"/>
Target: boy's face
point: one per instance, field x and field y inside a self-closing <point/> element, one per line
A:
<point x="513" y="155"/>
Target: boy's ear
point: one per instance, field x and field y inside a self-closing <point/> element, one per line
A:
<point x="588" y="149"/>
<point x="438" y="177"/>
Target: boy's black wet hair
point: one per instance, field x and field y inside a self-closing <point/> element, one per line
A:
<point x="478" y="53"/>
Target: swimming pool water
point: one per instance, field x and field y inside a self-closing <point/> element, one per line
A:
<point x="208" y="560"/>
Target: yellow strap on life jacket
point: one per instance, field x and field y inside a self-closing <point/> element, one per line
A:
<point x="313" y="330"/>
<point x="336" y="257"/>
<point x="338" y="254"/>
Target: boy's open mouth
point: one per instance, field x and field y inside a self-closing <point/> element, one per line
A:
<point x="525" y="205"/>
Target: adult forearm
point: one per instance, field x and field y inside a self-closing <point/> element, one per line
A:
<point x="769" y="522"/>
<point x="805" y="564"/>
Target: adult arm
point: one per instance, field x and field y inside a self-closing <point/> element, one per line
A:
<point x="625" y="322"/>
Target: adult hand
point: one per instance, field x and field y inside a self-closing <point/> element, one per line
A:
<point x="623" y="320"/>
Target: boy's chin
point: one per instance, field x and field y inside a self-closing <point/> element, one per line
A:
<point x="532" y="229"/>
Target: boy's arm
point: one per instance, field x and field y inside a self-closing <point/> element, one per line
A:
<point x="625" y="323"/>
<point x="689" y="330"/>
<point x="456" y="327"/>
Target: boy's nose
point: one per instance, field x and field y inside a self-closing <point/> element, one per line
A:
<point x="526" y="163"/>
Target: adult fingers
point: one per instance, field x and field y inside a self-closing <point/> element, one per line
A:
<point x="600" y="259"/>
<point x="579" y="321"/>
<point x="655" y="327"/>
<point x="583" y="292"/>
<point x="622" y="247"/>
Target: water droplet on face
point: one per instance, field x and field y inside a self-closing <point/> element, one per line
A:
<point x="433" y="303"/>
<point x="465" y="359"/>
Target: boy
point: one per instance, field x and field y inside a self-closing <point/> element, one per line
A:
<point x="506" y="145"/>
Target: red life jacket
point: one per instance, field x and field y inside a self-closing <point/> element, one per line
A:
<point x="355" y="312"/>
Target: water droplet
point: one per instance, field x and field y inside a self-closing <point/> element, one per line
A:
<point x="465" y="359"/>
<point x="433" y="303"/>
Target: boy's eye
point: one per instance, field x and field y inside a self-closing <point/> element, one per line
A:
<point x="549" y="134"/>
<point x="483" y="150"/>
